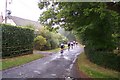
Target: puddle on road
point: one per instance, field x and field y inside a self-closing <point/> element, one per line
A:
<point x="46" y="62"/>
<point x="65" y="57"/>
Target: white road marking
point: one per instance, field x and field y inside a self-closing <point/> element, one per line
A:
<point x="71" y="66"/>
<point x="68" y="78"/>
<point x="68" y="70"/>
<point x="46" y="62"/>
<point x="53" y="74"/>
<point x="37" y="72"/>
<point x="52" y="59"/>
<point x="20" y="73"/>
<point x="74" y="60"/>
<point x="66" y="58"/>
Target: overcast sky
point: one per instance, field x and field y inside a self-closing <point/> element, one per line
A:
<point x="27" y="9"/>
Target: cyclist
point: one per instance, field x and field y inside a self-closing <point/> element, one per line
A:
<point x="74" y="43"/>
<point x="71" y="44"/>
<point x="68" y="46"/>
<point x="62" y="48"/>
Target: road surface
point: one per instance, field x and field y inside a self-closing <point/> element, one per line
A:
<point x="53" y="66"/>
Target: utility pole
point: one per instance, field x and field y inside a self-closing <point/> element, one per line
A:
<point x="5" y="11"/>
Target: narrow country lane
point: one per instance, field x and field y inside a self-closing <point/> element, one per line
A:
<point x="53" y="66"/>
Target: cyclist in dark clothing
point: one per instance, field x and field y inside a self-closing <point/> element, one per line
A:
<point x="62" y="48"/>
<point x="68" y="46"/>
<point x="71" y="44"/>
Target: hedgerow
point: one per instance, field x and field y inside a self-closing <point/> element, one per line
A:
<point x="16" y="40"/>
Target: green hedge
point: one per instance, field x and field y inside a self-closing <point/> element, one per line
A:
<point x="16" y="40"/>
<point x="104" y="58"/>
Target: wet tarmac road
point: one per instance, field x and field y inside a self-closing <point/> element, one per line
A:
<point x="53" y="66"/>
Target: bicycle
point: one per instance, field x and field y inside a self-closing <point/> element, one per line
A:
<point x="68" y="48"/>
<point x="62" y="50"/>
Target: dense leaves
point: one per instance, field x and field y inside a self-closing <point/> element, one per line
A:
<point x="97" y="26"/>
<point x="16" y="40"/>
<point x="39" y="42"/>
<point x="53" y="39"/>
<point x="93" y="22"/>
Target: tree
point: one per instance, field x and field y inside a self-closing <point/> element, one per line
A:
<point x="53" y="38"/>
<point x="39" y="42"/>
<point x="95" y="24"/>
<point x="80" y="16"/>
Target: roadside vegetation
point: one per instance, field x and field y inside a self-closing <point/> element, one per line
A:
<point x="16" y="61"/>
<point x="48" y="40"/>
<point x="95" y="25"/>
<point x="55" y="50"/>
<point x="18" y="43"/>
<point x="95" y="71"/>
<point x="16" y="40"/>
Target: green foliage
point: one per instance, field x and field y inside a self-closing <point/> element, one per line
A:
<point x="53" y="39"/>
<point x="43" y="4"/>
<point x="103" y="58"/>
<point x="94" y="70"/>
<point x="47" y="46"/>
<point x="96" y="25"/>
<point x="61" y="38"/>
<point x="16" y="40"/>
<point x="68" y="34"/>
<point x="39" y="42"/>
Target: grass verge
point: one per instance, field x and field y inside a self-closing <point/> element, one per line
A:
<point x="16" y="61"/>
<point x="53" y="50"/>
<point x="56" y="49"/>
<point x="95" y="71"/>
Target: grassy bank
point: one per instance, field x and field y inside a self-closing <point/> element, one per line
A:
<point x="16" y="61"/>
<point x="94" y="71"/>
<point x="53" y="50"/>
<point x="56" y="49"/>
